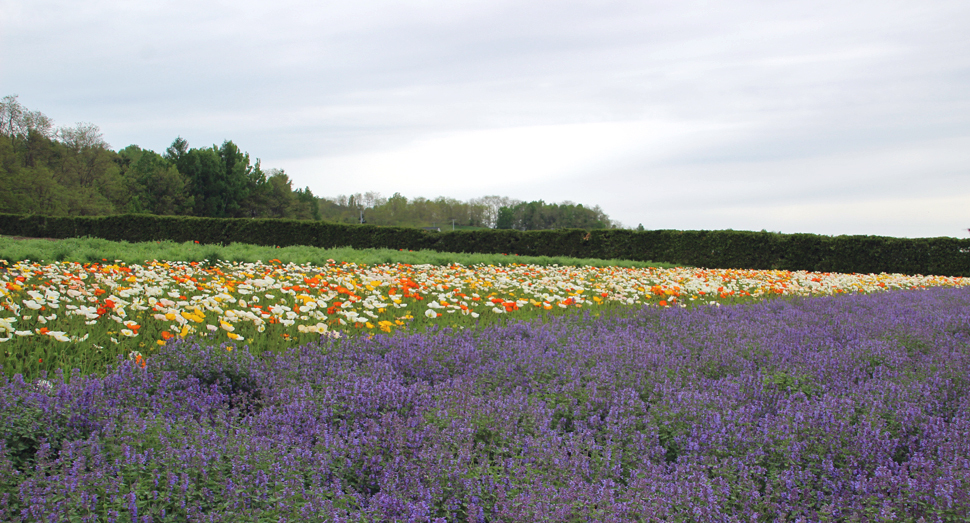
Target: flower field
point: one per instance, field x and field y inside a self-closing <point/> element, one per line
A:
<point x="68" y="315"/>
<point x="848" y="408"/>
<point x="250" y="391"/>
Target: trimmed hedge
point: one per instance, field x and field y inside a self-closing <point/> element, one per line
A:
<point x="714" y="249"/>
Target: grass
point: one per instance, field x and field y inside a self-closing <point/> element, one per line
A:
<point x="96" y="250"/>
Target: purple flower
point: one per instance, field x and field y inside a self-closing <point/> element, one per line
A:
<point x="801" y="409"/>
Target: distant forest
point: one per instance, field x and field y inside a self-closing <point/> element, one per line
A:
<point x="73" y="171"/>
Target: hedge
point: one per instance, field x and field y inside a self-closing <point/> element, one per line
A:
<point x="712" y="249"/>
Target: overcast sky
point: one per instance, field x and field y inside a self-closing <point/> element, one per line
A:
<point x="820" y="116"/>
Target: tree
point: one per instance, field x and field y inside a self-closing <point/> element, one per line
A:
<point x="73" y="171"/>
<point x="38" y="149"/>
<point x="86" y="156"/>
<point x="205" y="172"/>
<point x="306" y="205"/>
<point x="220" y="177"/>
<point x="17" y="122"/>
<point x="491" y="205"/>
<point x="239" y="174"/>
<point x="356" y="205"/>
<point x="11" y="115"/>
<point x="506" y="218"/>
<point x="255" y="203"/>
<point x="82" y="136"/>
<point x="371" y="199"/>
<point x="28" y="189"/>
<point x="168" y="192"/>
<point x="279" y="195"/>
<point x="538" y="215"/>
<point x="155" y="184"/>
<point x="41" y="194"/>
<point x="178" y="148"/>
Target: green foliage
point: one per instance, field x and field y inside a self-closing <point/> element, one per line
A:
<point x="214" y="193"/>
<point x="784" y="382"/>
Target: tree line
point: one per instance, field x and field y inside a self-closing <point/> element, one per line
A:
<point x="495" y="212"/>
<point x="72" y="171"/>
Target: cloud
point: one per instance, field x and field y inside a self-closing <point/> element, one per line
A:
<point x="900" y="217"/>
<point x="689" y="114"/>
<point x="912" y="189"/>
<point x="472" y="163"/>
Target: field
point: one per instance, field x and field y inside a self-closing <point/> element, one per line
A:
<point x="387" y="386"/>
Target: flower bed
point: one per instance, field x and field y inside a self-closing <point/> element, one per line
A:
<point x="71" y="315"/>
<point x="838" y="409"/>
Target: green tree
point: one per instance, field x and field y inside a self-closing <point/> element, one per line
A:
<point x="206" y="174"/>
<point x="27" y="185"/>
<point x="38" y="149"/>
<point x="220" y="177"/>
<point x="178" y="148"/>
<point x="506" y="218"/>
<point x="393" y="211"/>
<point x="32" y="190"/>
<point x="538" y="215"/>
<point x="256" y="201"/>
<point x="305" y="207"/>
<point x="238" y="177"/>
<point x="155" y="184"/>
<point x="280" y="199"/>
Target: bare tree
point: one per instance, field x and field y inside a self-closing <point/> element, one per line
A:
<point x="88" y="160"/>
<point x="39" y="122"/>
<point x="17" y="121"/>
<point x="82" y="136"/>
<point x="10" y="113"/>
<point x="372" y="199"/>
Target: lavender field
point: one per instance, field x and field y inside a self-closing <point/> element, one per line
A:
<point x="850" y="408"/>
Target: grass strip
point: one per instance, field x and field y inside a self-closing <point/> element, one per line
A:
<point x="96" y="250"/>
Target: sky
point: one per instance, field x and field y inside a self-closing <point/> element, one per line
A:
<point x="826" y="117"/>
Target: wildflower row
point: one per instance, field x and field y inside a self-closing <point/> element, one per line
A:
<point x="100" y="310"/>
